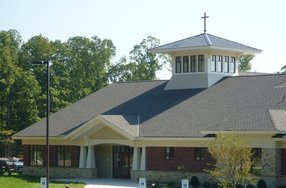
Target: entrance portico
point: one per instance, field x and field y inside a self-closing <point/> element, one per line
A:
<point x="110" y="148"/>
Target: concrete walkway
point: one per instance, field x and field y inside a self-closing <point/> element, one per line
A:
<point x="104" y="183"/>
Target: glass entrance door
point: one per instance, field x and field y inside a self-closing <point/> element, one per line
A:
<point x="122" y="161"/>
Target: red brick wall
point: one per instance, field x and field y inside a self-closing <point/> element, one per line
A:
<point x="26" y="155"/>
<point x="283" y="161"/>
<point x="182" y="157"/>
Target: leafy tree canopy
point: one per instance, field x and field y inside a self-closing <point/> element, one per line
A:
<point x="245" y="62"/>
<point x="233" y="160"/>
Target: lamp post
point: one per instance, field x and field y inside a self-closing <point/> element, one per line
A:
<point x="47" y="118"/>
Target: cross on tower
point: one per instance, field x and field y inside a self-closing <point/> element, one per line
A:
<point x="205" y="22"/>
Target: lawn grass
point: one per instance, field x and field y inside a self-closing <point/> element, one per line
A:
<point x="19" y="181"/>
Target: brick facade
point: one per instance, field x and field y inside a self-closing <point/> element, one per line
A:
<point x="75" y="151"/>
<point x="184" y="160"/>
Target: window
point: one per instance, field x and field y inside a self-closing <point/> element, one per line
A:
<point x="186" y="64"/>
<point x="200" y="153"/>
<point x="36" y="156"/>
<point x="201" y="63"/>
<point x="225" y="64"/>
<point x="219" y="64"/>
<point x="193" y="63"/>
<point x="169" y="153"/>
<point x="256" y="159"/>
<point x="213" y="63"/>
<point x="178" y="64"/>
<point x="232" y="65"/>
<point x="64" y="156"/>
<point x="213" y="58"/>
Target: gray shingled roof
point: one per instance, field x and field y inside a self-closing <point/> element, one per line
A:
<point x="239" y="103"/>
<point x="204" y="40"/>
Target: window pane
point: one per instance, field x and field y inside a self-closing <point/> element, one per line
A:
<point x="169" y="153"/>
<point x="213" y="63"/>
<point x="37" y="156"/>
<point x="186" y="64"/>
<point x="225" y="64"/>
<point x="200" y="154"/>
<point x="201" y="63"/>
<point x="68" y="159"/>
<point x="219" y="64"/>
<point x="193" y="63"/>
<point x="178" y="64"/>
<point x="231" y="67"/>
<point x="60" y="156"/>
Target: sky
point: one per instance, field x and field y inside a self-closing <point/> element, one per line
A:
<point x="257" y="23"/>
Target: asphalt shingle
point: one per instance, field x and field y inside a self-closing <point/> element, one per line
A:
<point x="239" y="103"/>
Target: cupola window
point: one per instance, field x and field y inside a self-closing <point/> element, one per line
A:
<point x="213" y="63"/>
<point x="186" y="64"/>
<point x="201" y="63"/>
<point x="225" y="64"/>
<point x="193" y="63"/>
<point x="232" y="65"/>
<point x="178" y="64"/>
<point x="219" y="64"/>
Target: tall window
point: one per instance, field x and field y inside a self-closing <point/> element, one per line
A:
<point x="193" y="63"/>
<point x="225" y="64"/>
<point x="36" y="156"/>
<point x="219" y="64"/>
<point x="186" y="64"/>
<point x="232" y="65"/>
<point x="256" y="159"/>
<point x="213" y="63"/>
<point x="169" y="153"/>
<point x="201" y="63"/>
<point x="200" y="153"/>
<point x="64" y="156"/>
<point x="178" y="64"/>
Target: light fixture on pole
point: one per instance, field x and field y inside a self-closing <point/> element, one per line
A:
<point x="47" y="118"/>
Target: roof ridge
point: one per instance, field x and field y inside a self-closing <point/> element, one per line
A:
<point x="177" y="41"/>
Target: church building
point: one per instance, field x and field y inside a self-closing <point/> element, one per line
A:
<point x="160" y="130"/>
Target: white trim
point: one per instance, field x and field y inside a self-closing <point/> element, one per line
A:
<point x="240" y="132"/>
<point x="100" y="122"/>
<point x="203" y="48"/>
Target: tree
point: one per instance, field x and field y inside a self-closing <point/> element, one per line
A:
<point x="233" y="160"/>
<point x="283" y="70"/>
<point x="245" y="62"/>
<point x="88" y="61"/>
<point x="18" y="107"/>
<point x="37" y="48"/>
<point x="142" y="64"/>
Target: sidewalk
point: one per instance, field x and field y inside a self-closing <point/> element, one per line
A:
<point x="104" y="183"/>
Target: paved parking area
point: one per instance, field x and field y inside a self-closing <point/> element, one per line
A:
<point x="105" y="183"/>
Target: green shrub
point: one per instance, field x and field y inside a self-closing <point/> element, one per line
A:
<point x="250" y="186"/>
<point x="195" y="181"/>
<point x="261" y="184"/>
<point x="239" y="186"/>
<point x="172" y="184"/>
<point x="207" y="184"/>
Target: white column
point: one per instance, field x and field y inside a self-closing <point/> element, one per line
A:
<point x="90" y="157"/>
<point x="82" y="157"/>
<point x="143" y="159"/>
<point x="136" y="155"/>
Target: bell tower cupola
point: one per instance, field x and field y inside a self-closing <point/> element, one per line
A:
<point x="202" y="60"/>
